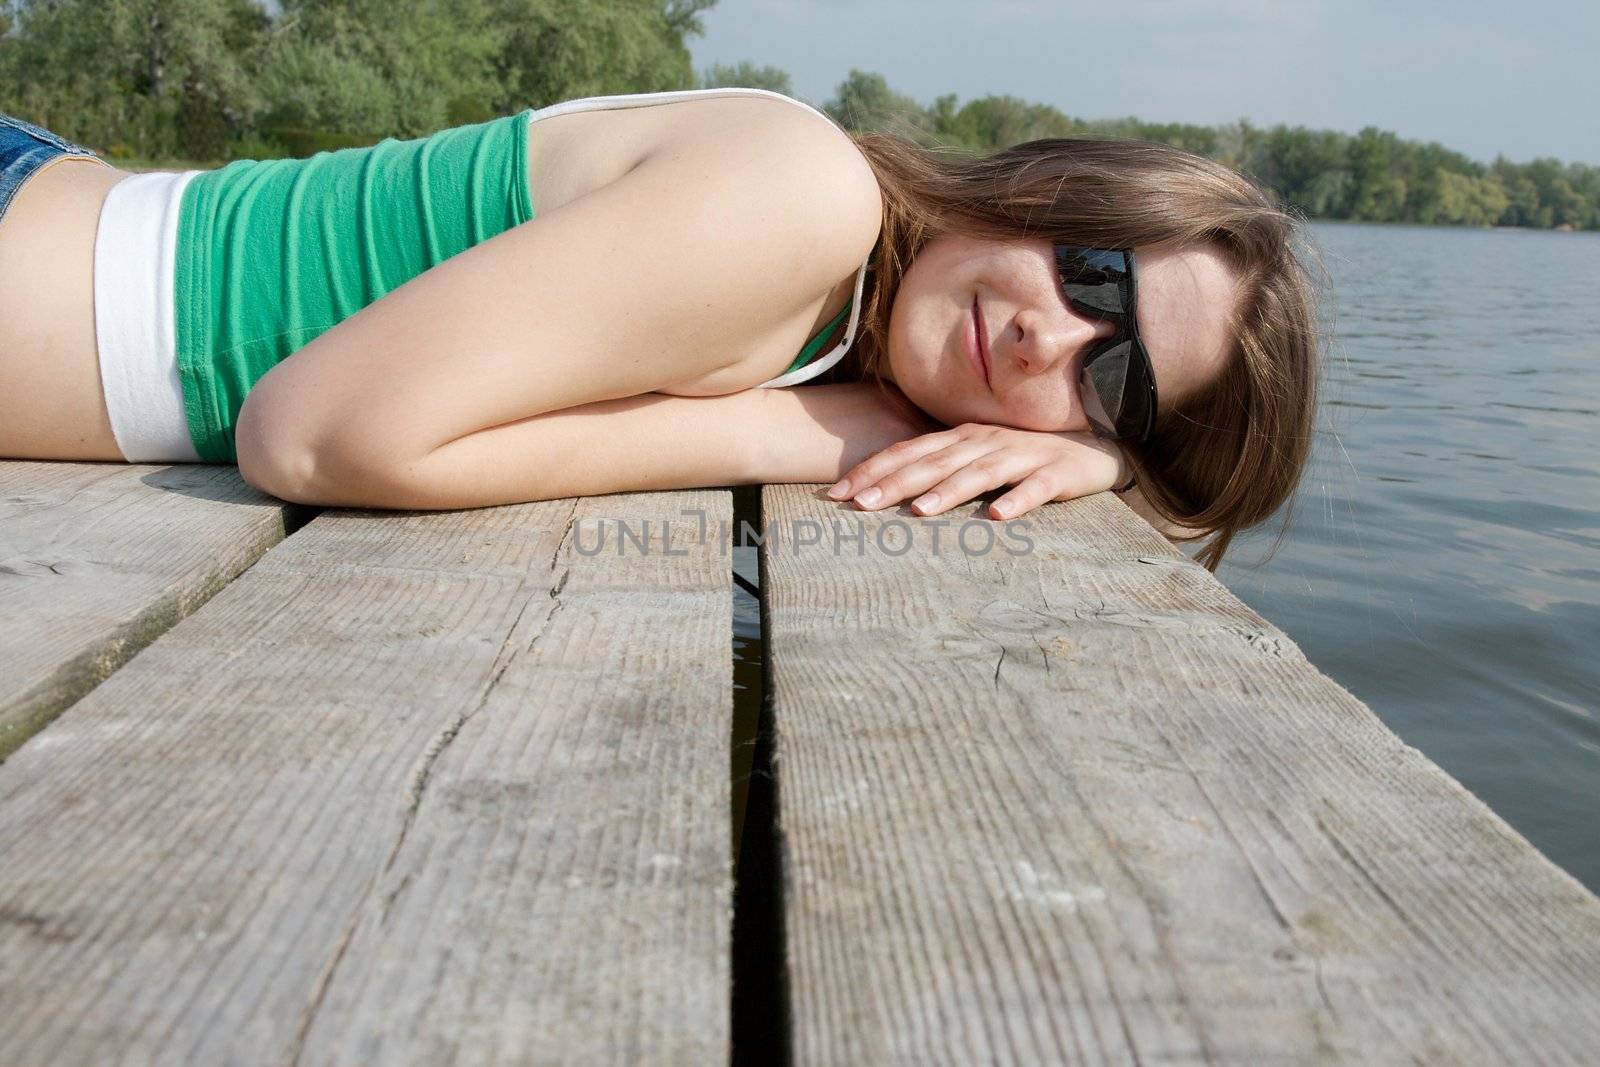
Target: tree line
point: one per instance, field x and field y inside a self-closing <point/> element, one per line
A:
<point x="1371" y="176"/>
<point x="218" y="79"/>
<point x="211" y="80"/>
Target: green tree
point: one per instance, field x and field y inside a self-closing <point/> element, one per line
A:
<point x="1126" y="128"/>
<point x="749" y="76"/>
<point x="555" y="50"/>
<point x="408" y="67"/>
<point x="1201" y="140"/>
<point x="1239" y="145"/>
<point x="155" y="76"/>
<point x="400" y="68"/>
<point x="992" y="122"/>
<point x="1488" y="200"/>
<point x="864" y="101"/>
<point x="1559" y="202"/>
<point x="1293" y="161"/>
<point x="1328" y="195"/>
<point x="8" y="48"/>
<point x="1466" y="200"/>
<point x="206" y="78"/>
<point x="1378" y="191"/>
<point x="1522" y="196"/>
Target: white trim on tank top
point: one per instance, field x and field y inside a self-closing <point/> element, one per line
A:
<point x="135" y="268"/>
<point x="609" y="103"/>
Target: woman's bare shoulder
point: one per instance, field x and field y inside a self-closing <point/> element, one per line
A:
<point x="576" y="153"/>
<point x="820" y="215"/>
<point x="775" y="177"/>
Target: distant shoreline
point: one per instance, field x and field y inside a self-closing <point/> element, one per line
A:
<point x="1564" y="228"/>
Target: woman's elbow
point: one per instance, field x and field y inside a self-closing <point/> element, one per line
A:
<point x="302" y="467"/>
<point x="267" y="460"/>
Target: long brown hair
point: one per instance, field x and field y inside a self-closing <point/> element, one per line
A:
<point x="1226" y="458"/>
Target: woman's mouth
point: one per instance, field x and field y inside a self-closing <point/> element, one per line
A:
<point x="975" y="343"/>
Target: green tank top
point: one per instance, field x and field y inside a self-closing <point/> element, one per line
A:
<point x="273" y="253"/>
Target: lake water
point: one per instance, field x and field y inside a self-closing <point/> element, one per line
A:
<point x="1443" y="563"/>
<point x="1443" y="559"/>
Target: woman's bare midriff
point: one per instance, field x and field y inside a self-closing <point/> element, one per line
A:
<point x="52" y="405"/>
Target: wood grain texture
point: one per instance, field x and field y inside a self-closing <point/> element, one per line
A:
<point x="415" y="788"/>
<point x="97" y="559"/>
<point x="1082" y="805"/>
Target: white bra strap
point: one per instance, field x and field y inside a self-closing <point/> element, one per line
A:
<point x="818" y="366"/>
<point x="626" y="100"/>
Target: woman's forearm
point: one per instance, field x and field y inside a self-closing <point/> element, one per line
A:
<point x="648" y="442"/>
<point x="817" y="433"/>
<point x="637" y="443"/>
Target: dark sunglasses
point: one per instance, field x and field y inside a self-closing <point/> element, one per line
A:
<point x="1119" y="384"/>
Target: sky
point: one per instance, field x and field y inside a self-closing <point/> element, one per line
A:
<point x="1484" y="77"/>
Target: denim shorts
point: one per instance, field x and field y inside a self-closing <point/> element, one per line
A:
<point x="24" y="150"/>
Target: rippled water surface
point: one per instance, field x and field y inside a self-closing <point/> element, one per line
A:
<point x="1443" y="562"/>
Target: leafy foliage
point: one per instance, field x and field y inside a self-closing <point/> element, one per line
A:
<point x="212" y="79"/>
<point x="864" y="101"/>
<point x="156" y="77"/>
<point x="555" y="50"/>
<point x="1372" y="176"/>
<point x="376" y="67"/>
<point x="203" y="78"/>
<point x="749" y="76"/>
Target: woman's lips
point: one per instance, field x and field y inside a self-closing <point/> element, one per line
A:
<point x="975" y="345"/>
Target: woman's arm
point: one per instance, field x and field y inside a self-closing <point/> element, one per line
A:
<point x="671" y="272"/>
<point x="655" y="441"/>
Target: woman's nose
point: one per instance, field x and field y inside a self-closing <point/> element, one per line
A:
<point x="1048" y="338"/>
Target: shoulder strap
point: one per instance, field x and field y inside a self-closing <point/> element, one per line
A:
<point x="811" y="370"/>
<point x="625" y="100"/>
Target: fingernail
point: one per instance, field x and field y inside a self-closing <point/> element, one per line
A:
<point x="868" y="497"/>
<point x="1002" y="510"/>
<point x="840" y="489"/>
<point x="926" y="502"/>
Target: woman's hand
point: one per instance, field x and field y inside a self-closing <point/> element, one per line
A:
<point x="955" y="465"/>
<point x="815" y="433"/>
<point x="895" y="418"/>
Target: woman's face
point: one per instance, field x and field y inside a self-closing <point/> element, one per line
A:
<point x="1007" y="295"/>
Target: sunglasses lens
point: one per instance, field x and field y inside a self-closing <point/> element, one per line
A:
<point x="1094" y="279"/>
<point x="1116" y="391"/>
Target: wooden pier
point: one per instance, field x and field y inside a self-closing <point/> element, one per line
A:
<point x="355" y="787"/>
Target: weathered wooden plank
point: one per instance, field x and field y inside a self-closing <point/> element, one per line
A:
<point x="1082" y="805"/>
<point x="96" y="559"/>
<point x="415" y="788"/>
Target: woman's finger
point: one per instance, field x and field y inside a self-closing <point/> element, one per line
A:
<point x="1057" y="481"/>
<point x="1040" y="487"/>
<point x="981" y="475"/>
<point x="891" y="459"/>
<point x="927" y="470"/>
